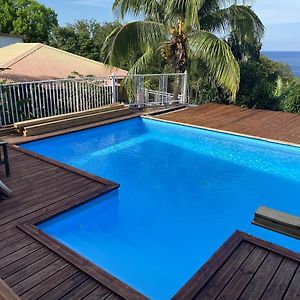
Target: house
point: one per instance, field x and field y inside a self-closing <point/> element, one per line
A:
<point x="9" y="39"/>
<point x="22" y="62"/>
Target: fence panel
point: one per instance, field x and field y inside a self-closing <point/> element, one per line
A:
<point x="30" y="100"/>
<point x="156" y="89"/>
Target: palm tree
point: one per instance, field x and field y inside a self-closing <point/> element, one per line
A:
<point x="183" y="29"/>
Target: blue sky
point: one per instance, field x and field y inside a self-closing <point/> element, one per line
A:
<point x="281" y="18"/>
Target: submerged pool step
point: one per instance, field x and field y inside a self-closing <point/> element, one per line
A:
<point x="277" y="221"/>
<point x="75" y="121"/>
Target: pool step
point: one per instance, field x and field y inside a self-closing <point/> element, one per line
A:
<point x="20" y="126"/>
<point x="277" y="221"/>
<point x="76" y="121"/>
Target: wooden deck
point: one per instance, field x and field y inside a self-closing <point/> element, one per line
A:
<point x="35" y="268"/>
<point x="273" y="125"/>
<point x="246" y="268"/>
<point x="31" y="269"/>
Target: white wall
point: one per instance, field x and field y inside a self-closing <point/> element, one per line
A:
<point x="8" y="40"/>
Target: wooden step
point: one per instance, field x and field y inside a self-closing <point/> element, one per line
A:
<point x="73" y="122"/>
<point x="277" y="221"/>
<point x="21" y="125"/>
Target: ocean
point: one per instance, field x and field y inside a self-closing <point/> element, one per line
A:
<point x="290" y="58"/>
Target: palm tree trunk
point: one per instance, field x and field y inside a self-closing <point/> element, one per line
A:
<point x="180" y="56"/>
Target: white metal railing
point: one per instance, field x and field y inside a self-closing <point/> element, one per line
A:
<point x="37" y="99"/>
<point x="29" y="100"/>
<point x="160" y="89"/>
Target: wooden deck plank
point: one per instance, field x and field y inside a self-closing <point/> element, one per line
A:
<point x="281" y="280"/>
<point x="15" y="238"/>
<point x="112" y="297"/>
<point x="39" y="276"/>
<point x="219" y="281"/>
<point x="81" y="291"/>
<point x="293" y="291"/>
<point x="254" y="122"/>
<point x="56" y="191"/>
<point x="258" y="284"/>
<point x="31" y="269"/>
<point x="16" y="246"/>
<point x="98" y="294"/>
<point x="55" y="196"/>
<point x="243" y="276"/>
<point x="77" y="279"/>
<point x="21" y="264"/>
<point x="42" y="288"/>
<point x="19" y="254"/>
<point x="50" y="205"/>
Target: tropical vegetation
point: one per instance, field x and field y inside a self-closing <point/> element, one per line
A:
<point x="182" y="31"/>
<point x="28" y="18"/>
<point x="290" y="96"/>
<point x="83" y="37"/>
<point x="217" y="41"/>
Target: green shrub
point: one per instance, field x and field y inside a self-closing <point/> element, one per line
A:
<point x="259" y="82"/>
<point x="204" y="91"/>
<point x="291" y="98"/>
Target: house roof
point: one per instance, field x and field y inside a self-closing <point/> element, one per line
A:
<point x="35" y="61"/>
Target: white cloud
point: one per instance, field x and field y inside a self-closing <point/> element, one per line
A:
<point x="278" y="11"/>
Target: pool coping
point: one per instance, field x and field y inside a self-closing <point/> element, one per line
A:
<point x="116" y="285"/>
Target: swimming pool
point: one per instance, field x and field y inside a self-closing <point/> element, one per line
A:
<point x="183" y="191"/>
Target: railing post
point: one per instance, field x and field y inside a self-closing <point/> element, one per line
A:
<point x="146" y="96"/>
<point x="114" y="89"/>
<point x="140" y="95"/>
<point x="77" y="96"/>
<point x="185" y="87"/>
<point x="2" y="120"/>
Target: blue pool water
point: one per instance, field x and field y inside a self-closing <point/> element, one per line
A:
<point x="183" y="192"/>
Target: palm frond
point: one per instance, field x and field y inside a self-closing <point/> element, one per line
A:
<point x="211" y="6"/>
<point x="137" y="7"/>
<point x="238" y="18"/>
<point x="143" y="63"/>
<point x="132" y="37"/>
<point x="185" y="9"/>
<point x="192" y="12"/>
<point x="218" y="57"/>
